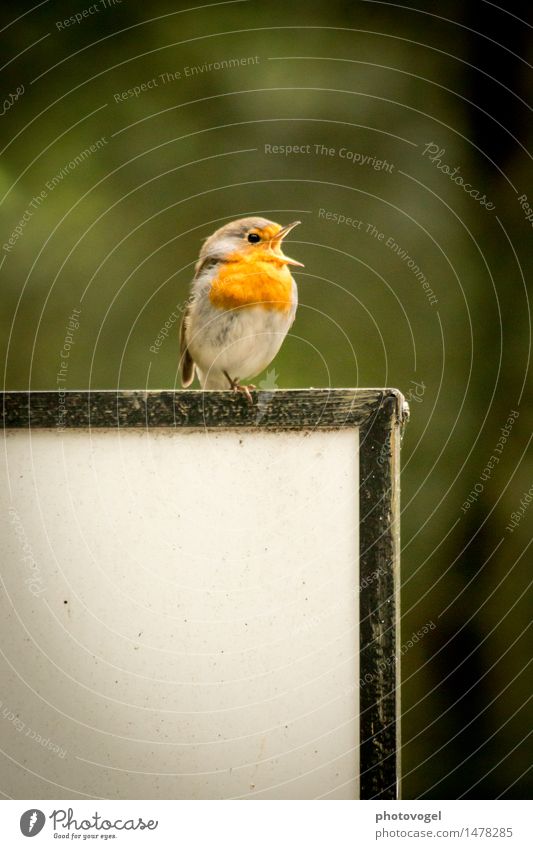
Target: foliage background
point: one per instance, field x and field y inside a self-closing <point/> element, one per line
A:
<point x="118" y="237"/>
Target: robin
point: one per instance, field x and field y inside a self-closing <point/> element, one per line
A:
<point x="242" y="304"/>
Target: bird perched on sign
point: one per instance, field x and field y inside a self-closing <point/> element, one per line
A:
<point x="242" y="305"/>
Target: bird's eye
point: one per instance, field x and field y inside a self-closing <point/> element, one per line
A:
<point x="254" y="238"/>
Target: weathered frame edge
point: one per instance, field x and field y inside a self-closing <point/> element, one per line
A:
<point x="379" y="601"/>
<point x="277" y="409"/>
<point x="380" y="415"/>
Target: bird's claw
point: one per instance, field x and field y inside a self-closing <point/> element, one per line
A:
<point x="246" y="389"/>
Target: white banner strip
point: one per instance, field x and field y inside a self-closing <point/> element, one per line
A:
<point x="267" y="824"/>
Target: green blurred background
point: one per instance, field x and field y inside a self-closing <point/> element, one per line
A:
<point x="118" y="236"/>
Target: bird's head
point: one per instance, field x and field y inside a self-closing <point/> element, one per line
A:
<point x="249" y="238"/>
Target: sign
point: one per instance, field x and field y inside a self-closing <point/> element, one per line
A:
<point x="200" y="597"/>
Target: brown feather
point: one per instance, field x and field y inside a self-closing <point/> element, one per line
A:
<point x="186" y="361"/>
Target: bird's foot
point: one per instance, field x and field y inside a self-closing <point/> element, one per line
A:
<point x="246" y="389"/>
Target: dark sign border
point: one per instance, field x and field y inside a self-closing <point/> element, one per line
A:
<point x="380" y="414"/>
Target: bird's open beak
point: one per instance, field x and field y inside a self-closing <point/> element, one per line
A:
<point x="286" y="230"/>
<point x="278" y="238"/>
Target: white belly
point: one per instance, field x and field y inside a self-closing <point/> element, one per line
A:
<point x="240" y="342"/>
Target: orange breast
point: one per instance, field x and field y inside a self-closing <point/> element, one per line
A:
<point x="246" y="280"/>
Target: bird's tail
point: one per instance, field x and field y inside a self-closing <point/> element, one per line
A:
<point x="212" y="379"/>
<point x="187" y="369"/>
<point x="186" y="361"/>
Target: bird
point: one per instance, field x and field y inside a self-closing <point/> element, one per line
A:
<point x="243" y="302"/>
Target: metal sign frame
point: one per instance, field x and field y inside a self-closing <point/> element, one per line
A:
<point x="380" y="415"/>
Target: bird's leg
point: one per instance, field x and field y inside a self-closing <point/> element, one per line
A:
<point x="246" y="389"/>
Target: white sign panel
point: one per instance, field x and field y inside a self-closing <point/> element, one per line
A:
<point x="180" y="613"/>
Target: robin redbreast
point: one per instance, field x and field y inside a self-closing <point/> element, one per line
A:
<point x="243" y="302"/>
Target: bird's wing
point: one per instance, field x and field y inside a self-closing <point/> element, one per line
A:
<point x="186" y="361"/>
<point x="204" y="264"/>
